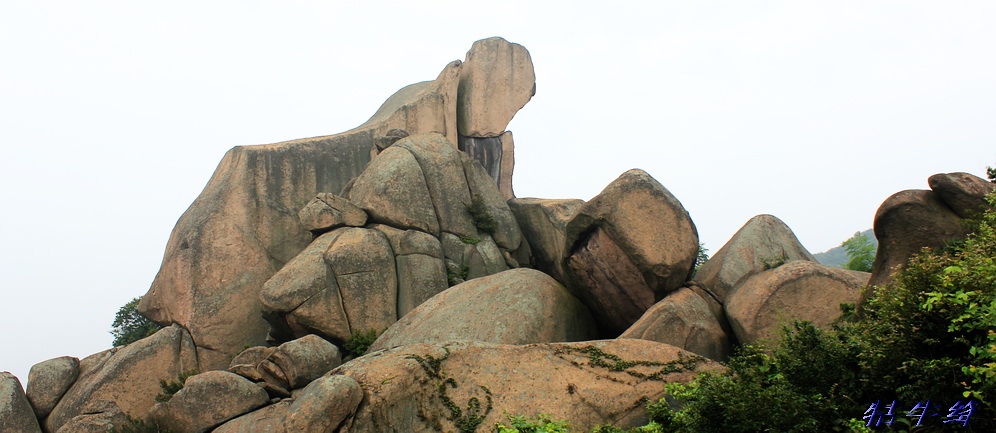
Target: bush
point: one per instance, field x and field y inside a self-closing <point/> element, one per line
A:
<point x="860" y="253"/>
<point x="358" y="343"/>
<point x="173" y="387"/>
<point x="541" y="424"/>
<point x="129" y="326"/>
<point x="481" y="216"/>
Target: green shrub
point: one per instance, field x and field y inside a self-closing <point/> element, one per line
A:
<point x="541" y="424"/>
<point x="774" y="262"/>
<point x="129" y="326"/>
<point x="172" y="387"/>
<point x="359" y="342"/>
<point x="456" y="278"/>
<point x="481" y="216"/>
<point x="860" y="253"/>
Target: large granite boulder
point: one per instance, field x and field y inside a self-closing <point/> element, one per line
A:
<point x="518" y="306"/>
<point x="964" y="193"/>
<point x="16" y="415"/>
<point x="323" y="405"/>
<point x="764" y="303"/>
<point x="687" y="320"/>
<point x="496" y="81"/>
<point x="127" y="376"/>
<point x="544" y="223"/>
<point x="244" y="226"/>
<point x="98" y="416"/>
<point x="906" y="223"/>
<point x="267" y="419"/>
<point x="48" y="381"/>
<point x="762" y="242"/>
<point x="328" y="211"/>
<point x="433" y="387"/>
<point x="209" y="399"/>
<point x="627" y="248"/>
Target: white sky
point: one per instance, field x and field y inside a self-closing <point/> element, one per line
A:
<point x="113" y="114"/>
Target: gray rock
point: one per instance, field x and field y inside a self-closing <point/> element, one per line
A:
<point x="98" y="416"/>
<point x="267" y="419"/>
<point x="16" y="415"/>
<point x="685" y="320"/>
<point x="209" y="399"/>
<point x="328" y="211"/>
<point x="964" y="193"/>
<point x="496" y="81"/>
<point x="393" y="191"/>
<point x="324" y="405"/>
<point x="49" y="380"/>
<point x="296" y="363"/>
<point x="543" y="223"/>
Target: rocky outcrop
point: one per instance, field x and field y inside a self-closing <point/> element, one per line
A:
<point x="906" y="223"/>
<point x="762" y="242"/>
<point x="296" y="363"/>
<point x="207" y="400"/>
<point x="518" y="306"/>
<point x="48" y="381"/>
<point x="269" y="419"/>
<point x="543" y="223"/>
<point x="16" y="414"/>
<point x="627" y="248"/>
<point x="799" y="289"/>
<point x="328" y="211"/>
<point x="99" y="416"/>
<point x="964" y="193"/>
<point x="323" y="405"/>
<point x="128" y="376"/>
<point x="687" y="320"/>
<point x="244" y="227"/>
<point x="406" y="388"/>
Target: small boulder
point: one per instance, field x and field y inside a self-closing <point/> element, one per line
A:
<point x="762" y="242"/>
<point x="296" y="363"/>
<point x="685" y="320"/>
<point x="964" y="193"/>
<point x="16" y="414"/>
<point x="48" y="380"/>
<point x="799" y="289"/>
<point x="323" y="405"/>
<point x="393" y="191"/>
<point x="518" y="306"/>
<point x="209" y="399"/>
<point x="328" y="211"/>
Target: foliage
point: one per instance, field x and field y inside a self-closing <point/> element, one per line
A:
<point x="481" y="216"/>
<point x="129" y="326"/>
<point x="359" y="342"/>
<point x="774" y="262"/>
<point x="860" y="251"/>
<point x="701" y="257"/>
<point x="991" y="174"/>
<point x="541" y="424"/>
<point x="173" y="387"/>
<point x="469" y="240"/>
<point x="455" y="278"/>
<point x="140" y="426"/>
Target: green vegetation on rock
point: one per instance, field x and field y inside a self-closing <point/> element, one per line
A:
<point x="129" y="326"/>
<point x="481" y="216"/>
<point x="172" y="387"/>
<point x="358" y="343"/>
<point x="860" y="253"/>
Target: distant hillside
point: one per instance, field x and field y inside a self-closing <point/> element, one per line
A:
<point x="838" y="256"/>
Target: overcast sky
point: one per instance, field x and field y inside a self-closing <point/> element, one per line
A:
<point x="114" y="114"/>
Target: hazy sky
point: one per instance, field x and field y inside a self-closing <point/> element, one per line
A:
<point x="113" y="115"/>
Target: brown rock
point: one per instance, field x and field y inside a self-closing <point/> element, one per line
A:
<point x="404" y="387"/>
<point x="324" y="405"/>
<point x="99" y="416"/>
<point x="298" y="362"/>
<point x="907" y="222"/>
<point x="16" y="414"/>
<point x="252" y="356"/>
<point x="685" y="320"/>
<point x="442" y="166"/>
<point x="48" y="381"/>
<point x="506" y="234"/>
<point x="393" y="191"/>
<point x="267" y="419"/>
<point x="496" y="81"/>
<point x="964" y="193"/>
<point x="518" y="306"/>
<point x="328" y="211"/>
<point x="543" y="223"/>
<point x="799" y="289"/>
<point x="484" y="258"/>
<point x="209" y="399"/>
<point x="762" y="241"/>
<point x="128" y="376"/>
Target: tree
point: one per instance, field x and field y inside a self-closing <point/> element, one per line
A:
<point x="991" y="173"/>
<point x="129" y="326"/>
<point x="861" y="252"/>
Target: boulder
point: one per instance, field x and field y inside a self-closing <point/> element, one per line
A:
<point x="762" y="242"/>
<point x="16" y="415"/>
<point x="506" y="234"/>
<point x="484" y="258"/>
<point x="48" y="381"/>
<point x="518" y="306"/>
<point x="496" y="80"/>
<point x="684" y="319"/>
<point x="267" y="419"/>
<point x="628" y="247"/>
<point x="906" y="223"/>
<point x="209" y="399"/>
<point x="543" y="223"/>
<point x="434" y="387"/>
<point x="393" y="191"/>
<point x="419" y="260"/>
<point x="964" y="193"/>
<point x="496" y="155"/>
<point x="99" y="416"/>
<point x="323" y="405"/>
<point x="252" y="356"/>
<point x="128" y="376"/>
<point x="296" y="363"/>
<point x="799" y="289"/>
<point x="328" y="211"/>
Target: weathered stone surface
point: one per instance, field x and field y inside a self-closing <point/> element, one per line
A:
<point x="243" y="227"/>
<point x="16" y="414"/>
<point x="764" y="238"/>
<point x="267" y="419"/>
<point x="685" y="320"/>
<point x="907" y="222"/>
<point x="518" y="306"/>
<point x="363" y="264"/>
<point x="252" y="356"/>
<point x="484" y="258"/>
<point x="328" y="211"/>
<point x="442" y="166"/>
<point x="559" y="379"/>
<point x="209" y="399"/>
<point x="324" y="405"/>
<point x="543" y="223"/>
<point x="393" y="191"/>
<point x="128" y="376"/>
<point x="507" y="166"/>
<point x="497" y="157"/>
<point x="962" y="192"/>
<point x="297" y="362"/>
<point x="48" y="381"/>
<point x="99" y="416"/>
<point x="496" y="80"/>
<point x="507" y="234"/>
<point x="420" y="277"/>
<point x="799" y="289"/>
